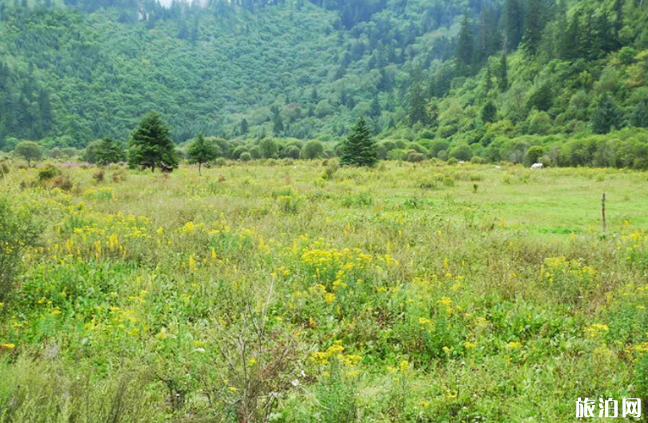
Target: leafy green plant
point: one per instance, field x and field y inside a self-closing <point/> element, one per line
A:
<point x="17" y="233"/>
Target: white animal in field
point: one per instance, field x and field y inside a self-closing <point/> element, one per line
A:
<point x="537" y="166"/>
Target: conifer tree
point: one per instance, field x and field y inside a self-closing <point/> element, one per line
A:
<point x="417" y="104"/>
<point x="489" y="79"/>
<point x="489" y="112"/>
<point x="502" y="77"/>
<point x="606" y="116"/>
<point x="109" y="151"/>
<point x="533" y="33"/>
<point x="359" y="149"/>
<point x="514" y="21"/>
<point x="201" y="151"/>
<point x="465" y="47"/>
<point x="639" y="116"/>
<point x="245" y="127"/>
<point x="151" y="145"/>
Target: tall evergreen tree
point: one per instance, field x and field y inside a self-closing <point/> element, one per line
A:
<point x="417" y="104"/>
<point x="150" y="144"/>
<point x="277" y="121"/>
<point x="465" y="50"/>
<point x="488" y="79"/>
<point x="639" y="117"/>
<point x="606" y="116"/>
<point x="359" y="149"/>
<point x="534" y="27"/>
<point x="502" y="75"/>
<point x="489" y="112"/>
<point x="245" y="127"/>
<point x="375" y="107"/>
<point x="514" y="23"/>
<point x="570" y="47"/>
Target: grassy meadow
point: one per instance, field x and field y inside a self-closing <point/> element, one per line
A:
<point x="299" y="292"/>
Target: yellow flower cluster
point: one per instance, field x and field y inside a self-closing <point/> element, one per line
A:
<point x="335" y="351"/>
<point x="560" y="267"/>
<point x="596" y="330"/>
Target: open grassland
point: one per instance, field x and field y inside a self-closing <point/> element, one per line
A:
<point x="301" y="293"/>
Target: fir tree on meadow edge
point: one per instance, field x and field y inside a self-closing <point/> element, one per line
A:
<point x="201" y="151"/>
<point x="151" y="144"/>
<point x="109" y="151"/>
<point x="359" y="149"/>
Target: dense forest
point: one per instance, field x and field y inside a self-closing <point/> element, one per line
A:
<point x="478" y="77"/>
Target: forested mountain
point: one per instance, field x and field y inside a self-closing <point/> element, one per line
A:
<point x="464" y="72"/>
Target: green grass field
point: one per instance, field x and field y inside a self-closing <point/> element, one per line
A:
<point x="298" y="292"/>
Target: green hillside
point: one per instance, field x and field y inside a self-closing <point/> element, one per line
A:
<point x="442" y="74"/>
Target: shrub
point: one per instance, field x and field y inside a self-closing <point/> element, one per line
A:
<point x="461" y="152"/>
<point x="48" y="172"/>
<point x="246" y="157"/>
<point x="17" y="232"/>
<point x="533" y="155"/>
<point x="4" y="169"/>
<point x="291" y="152"/>
<point x="478" y="160"/>
<point x="330" y="171"/>
<point x="436" y="147"/>
<point x="312" y="150"/>
<point x="99" y="175"/>
<point x="396" y="154"/>
<point x="220" y="162"/>
<point x="63" y="182"/>
<point x="414" y="157"/>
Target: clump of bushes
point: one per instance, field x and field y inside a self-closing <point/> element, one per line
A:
<point x="99" y="175"/>
<point x="48" y="172"/>
<point x="330" y="171"/>
<point x="119" y="176"/>
<point x="414" y="156"/>
<point x="63" y="182"/>
<point x="220" y="162"/>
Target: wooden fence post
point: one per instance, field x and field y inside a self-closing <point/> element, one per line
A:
<point x="603" y="211"/>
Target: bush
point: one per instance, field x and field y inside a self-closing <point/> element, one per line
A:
<point x="4" y="169"/>
<point x="533" y="155"/>
<point x="119" y="176"/>
<point x="414" y="156"/>
<point x="396" y="154"/>
<point x="246" y="157"/>
<point x="478" y="160"/>
<point x="330" y="171"/>
<point x="17" y="232"/>
<point x="436" y="147"/>
<point x="312" y="150"/>
<point x="461" y="152"/>
<point x="291" y="152"/>
<point x="63" y="182"/>
<point x="48" y="172"/>
<point x="99" y="175"/>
